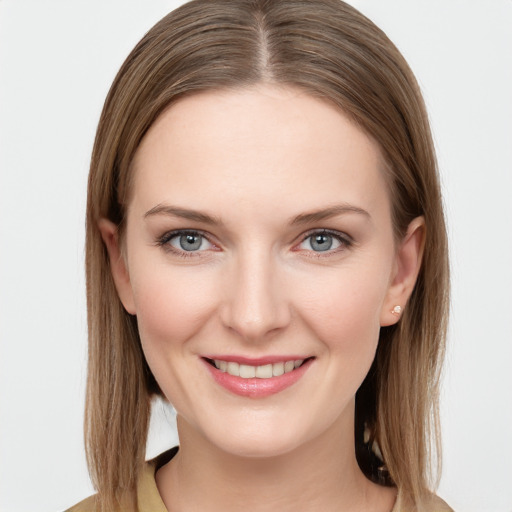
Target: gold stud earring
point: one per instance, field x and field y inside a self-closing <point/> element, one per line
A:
<point x="397" y="310"/>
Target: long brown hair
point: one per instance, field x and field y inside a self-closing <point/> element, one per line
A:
<point x="332" y="51"/>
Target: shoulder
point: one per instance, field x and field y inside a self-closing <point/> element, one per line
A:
<point x="432" y="504"/>
<point x="87" y="505"/>
<point x="436" y="504"/>
<point x="148" y="497"/>
<point x="91" y="504"/>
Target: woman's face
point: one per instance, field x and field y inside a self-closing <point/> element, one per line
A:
<point x="259" y="241"/>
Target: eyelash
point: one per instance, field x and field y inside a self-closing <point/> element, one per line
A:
<point x="345" y="240"/>
<point x="164" y="240"/>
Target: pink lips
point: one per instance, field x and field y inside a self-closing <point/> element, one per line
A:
<point x="256" y="387"/>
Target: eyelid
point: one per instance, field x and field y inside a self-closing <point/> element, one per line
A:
<point x="346" y="240"/>
<point x="163" y="241"/>
<point x="334" y="232"/>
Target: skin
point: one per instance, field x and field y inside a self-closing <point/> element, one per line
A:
<point x="255" y="160"/>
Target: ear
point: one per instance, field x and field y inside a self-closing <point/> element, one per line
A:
<point x="407" y="266"/>
<point x="110" y="236"/>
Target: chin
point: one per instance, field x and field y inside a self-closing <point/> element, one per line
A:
<point x="253" y="436"/>
<point x="258" y="447"/>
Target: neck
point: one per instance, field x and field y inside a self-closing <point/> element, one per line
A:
<point x="321" y="474"/>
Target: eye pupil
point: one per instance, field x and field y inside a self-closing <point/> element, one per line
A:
<point x="190" y="242"/>
<point x="321" y="242"/>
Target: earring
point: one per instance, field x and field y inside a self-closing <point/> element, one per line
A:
<point x="397" y="310"/>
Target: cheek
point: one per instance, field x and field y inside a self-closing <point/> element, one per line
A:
<point x="343" y="309"/>
<point x="171" y="305"/>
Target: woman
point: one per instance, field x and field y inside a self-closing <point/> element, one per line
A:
<point x="266" y="249"/>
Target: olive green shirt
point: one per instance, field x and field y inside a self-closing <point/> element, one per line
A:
<point x="149" y="500"/>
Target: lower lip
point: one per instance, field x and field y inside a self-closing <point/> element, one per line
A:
<point x="257" y="388"/>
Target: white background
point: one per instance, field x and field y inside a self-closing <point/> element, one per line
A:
<point x="57" y="60"/>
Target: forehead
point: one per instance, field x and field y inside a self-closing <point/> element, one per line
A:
<point x="253" y="146"/>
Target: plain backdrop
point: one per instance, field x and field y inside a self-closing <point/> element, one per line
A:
<point x="57" y="60"/>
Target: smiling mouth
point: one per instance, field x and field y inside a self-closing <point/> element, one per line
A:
<point x="265" y="371"/>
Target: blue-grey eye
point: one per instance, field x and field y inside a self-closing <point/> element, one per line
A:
<point x="321" y="242"/>
<point x="189" y="242"/>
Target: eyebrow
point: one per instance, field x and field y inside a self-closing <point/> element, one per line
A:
<point x="303" y="218"/>
<point x="327" y="213"/>
<point x="184" y="213"/>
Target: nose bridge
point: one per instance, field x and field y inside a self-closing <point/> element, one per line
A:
<point x="256" y="304"/>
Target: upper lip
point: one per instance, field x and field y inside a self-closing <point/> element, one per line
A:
<point x="256" y="361"/>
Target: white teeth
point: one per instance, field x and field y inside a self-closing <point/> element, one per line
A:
<point x="289" y="366"/>
<point x="247" y="372"/>
<point x="233" y="369"/>
<point x="266" y="371"/>
<point x="277" y="369"/>
<point x="221" y="365"/>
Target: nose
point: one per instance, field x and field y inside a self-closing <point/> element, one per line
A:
<point x="255" y="304"/>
